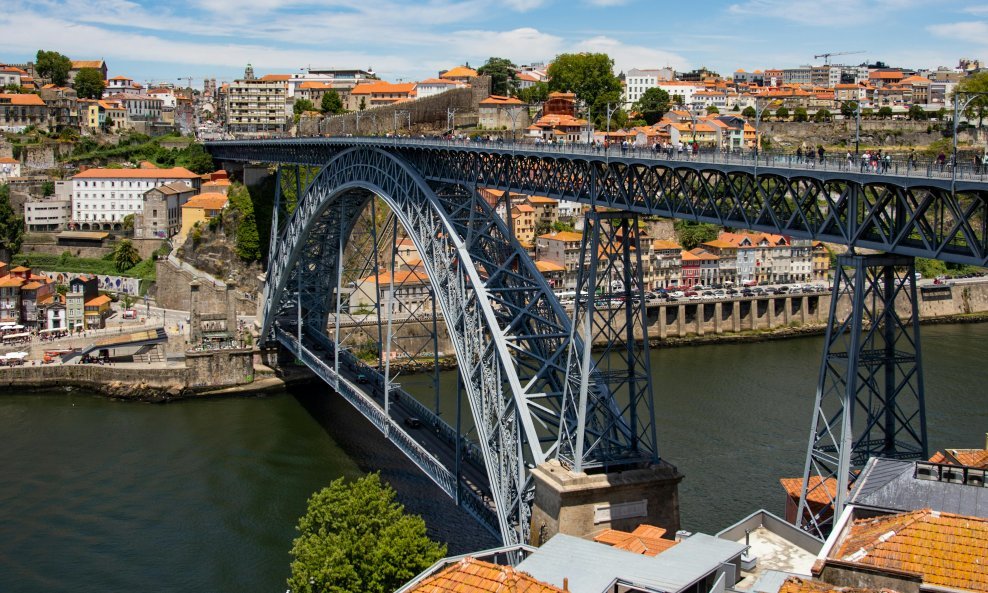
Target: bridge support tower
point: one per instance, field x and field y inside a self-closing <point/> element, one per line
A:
<point x="869" y="398"/>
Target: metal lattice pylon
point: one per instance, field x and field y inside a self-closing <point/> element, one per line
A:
<point x="609" y="313"/>
<point x="869" y="399"/>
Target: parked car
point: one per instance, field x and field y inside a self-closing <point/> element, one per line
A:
<point x="677" y="294"/>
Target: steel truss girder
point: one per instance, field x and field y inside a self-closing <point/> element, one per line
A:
<point x="507" y="328"/>
<point x="907" y="216"/>
<point x="870" y="395"/>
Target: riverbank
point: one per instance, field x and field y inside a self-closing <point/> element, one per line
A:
<point x="155" y="383"/>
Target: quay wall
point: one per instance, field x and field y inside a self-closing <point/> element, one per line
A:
<point x="685" y="320"/>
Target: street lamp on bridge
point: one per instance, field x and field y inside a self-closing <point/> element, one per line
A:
<point x="959" y="106"/>
<point x="758" y="137"/>
<point x="857" y="120"/>
<point x="513" y="113"/>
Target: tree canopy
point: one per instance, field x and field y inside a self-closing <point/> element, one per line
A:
<point x="749" y="111"/>
<point x="303" y="105"/>
<point x="248" y="238"/>
<point x="125" y="256"/>
<point x="11" y="226"/>
<point x="331" y="102"/>
<point x="917" y="113"/>
<point x="822" y="115"/>
<point x="849" y="108"/>
<point x="356" y="537"/>
<point x="502" y="73"/>
<point x="884" y="112"/>
<point x="781" y="113"/>
<point x="800" y="114"/>
<point x="652" y="105"/>
<point x="978" y="107"/>
<point x="692" y="234"/>
<point x="53" y="66"/>
<point x="89" y="83"/>
<point x="537" y="93"/>
<point x="589" y="75"/>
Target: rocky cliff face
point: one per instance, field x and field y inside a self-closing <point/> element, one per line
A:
<point x="213" y="251"/>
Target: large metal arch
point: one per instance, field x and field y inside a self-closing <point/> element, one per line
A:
<point x="486" y="364"/>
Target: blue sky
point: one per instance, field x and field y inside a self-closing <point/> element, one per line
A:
<point x="408" y="39"/>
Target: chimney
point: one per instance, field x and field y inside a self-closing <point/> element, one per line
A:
<point x="565" y="584"/>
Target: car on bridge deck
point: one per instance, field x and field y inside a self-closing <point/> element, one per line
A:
<point x="361" y="378"/>
<point x="413" y="422"/>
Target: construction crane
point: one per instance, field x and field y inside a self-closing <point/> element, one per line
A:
<point x="826" y="56"/>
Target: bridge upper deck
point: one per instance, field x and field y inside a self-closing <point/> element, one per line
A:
<point x="831" y="167"/>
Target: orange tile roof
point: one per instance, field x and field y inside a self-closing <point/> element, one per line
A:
<point x="25" y="100"/>
<point x="10" y="281"/>
<point x="663" y="244"/>
<point x="800" y="585"/>
<point x="971" y="457"/>
<point x="459" y="72"/>
<point x="276" y="77"/>
<point x="501" y="100"/>
<point x="369" y="88"/>
<point x="98" y="301"/>
<point x="217" y="183"/>
<point x="32" y="285"/>
<point x="207" y="201"/>
<point x="80" y="64"/>
<point x="646" y="540"/>
<point x="824" y="496"/>
<point x="434" y="81"/>
<point x="173" y="173"/>
<point x="703" y="255"/>
<point x="563" y="236"/>
<point x="400" y="277"/>
<point x="719" y="244"/>
<point x="476" y="576"/>
<point x="945" y="549"/>
<point x="20" y="269"/>
<point x="548" y="266"/>
<point x="523" y="208"/>
<point x="542" y="200"/>
<point x="6" y="160"/>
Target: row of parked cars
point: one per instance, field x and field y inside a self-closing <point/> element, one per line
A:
<point x="700" y="293"/>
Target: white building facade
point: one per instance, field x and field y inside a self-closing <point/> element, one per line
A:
<point x="102" y="198"/>
<point x="636" y="82"/>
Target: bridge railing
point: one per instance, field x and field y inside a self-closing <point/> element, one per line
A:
<point x="915" y="166"/>
<point x="471" y="500"/>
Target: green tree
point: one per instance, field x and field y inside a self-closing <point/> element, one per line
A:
<point x="248" y="238"/>
<point x="800" y="114"/>
<point x="867" y="112"/>
<point x="885" y="112"/>
<point x="978" y="107"/>
<point x="363" y="103"/>
<point x="48" y="188"/>
<point x="712" y="109"/>
<point x="303" y="105"/>
<point x="589" y="75"/>
<point x="356" y="537"/>
<point x="692" y="234"/>
<point x="822" y="115"/>
<point x="502" y="73"/>
<point x="749" y="111"/>
<point x="917" y="113"/>
<point x="128" y="222"/>
<point x="942" y="114"/>
<point x="678" y="100"/>
<point x="89" y="84"/>
<point x="53" y="66"/>
<point x="849" y="109"/>
<point x="782" y="113"/>
<point x="537" y="93"/>
<point x="331" y="102"/>
<point x="11" y="227"/>
<point x="125" y="256"/>
<point x="13" y="89"/>
<point x="652" y="105"/>
<point x="195" y="158"/>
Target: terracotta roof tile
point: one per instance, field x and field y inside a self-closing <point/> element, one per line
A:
<point x="548" y="266"/>
<point x="173" y="173"/>
<point x="563" y="236"/>
<point x="800" y="585"/>
<point x="20" y="99"/>
<point x="825" y="495"/>
<point x="946" y="550"/>
<point x="97" y="301"/>
<point x="459" y="72"/>
<point x="475" y="576"/>
<point x="207" y="201"/>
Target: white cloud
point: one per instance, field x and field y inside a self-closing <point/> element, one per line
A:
<point x="833" y="13"/>
<point x="632" y="56"/>
<point x="524" y="5"/>
<point x="518" y="45"/>
<point x="967" y="31"/>
<point x="978" y="9"/>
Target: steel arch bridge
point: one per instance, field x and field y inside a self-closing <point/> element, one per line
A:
<point x="533" y="390"/>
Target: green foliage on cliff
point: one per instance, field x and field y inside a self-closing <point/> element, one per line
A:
<point x="692" y="234"/>
<point x="135" y="148"/>
<point x="356" y="537"/>
<point x="11" y="226"/>
<point x="248" y="238"/>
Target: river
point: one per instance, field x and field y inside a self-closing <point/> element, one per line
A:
<point x="204" y="495"/>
